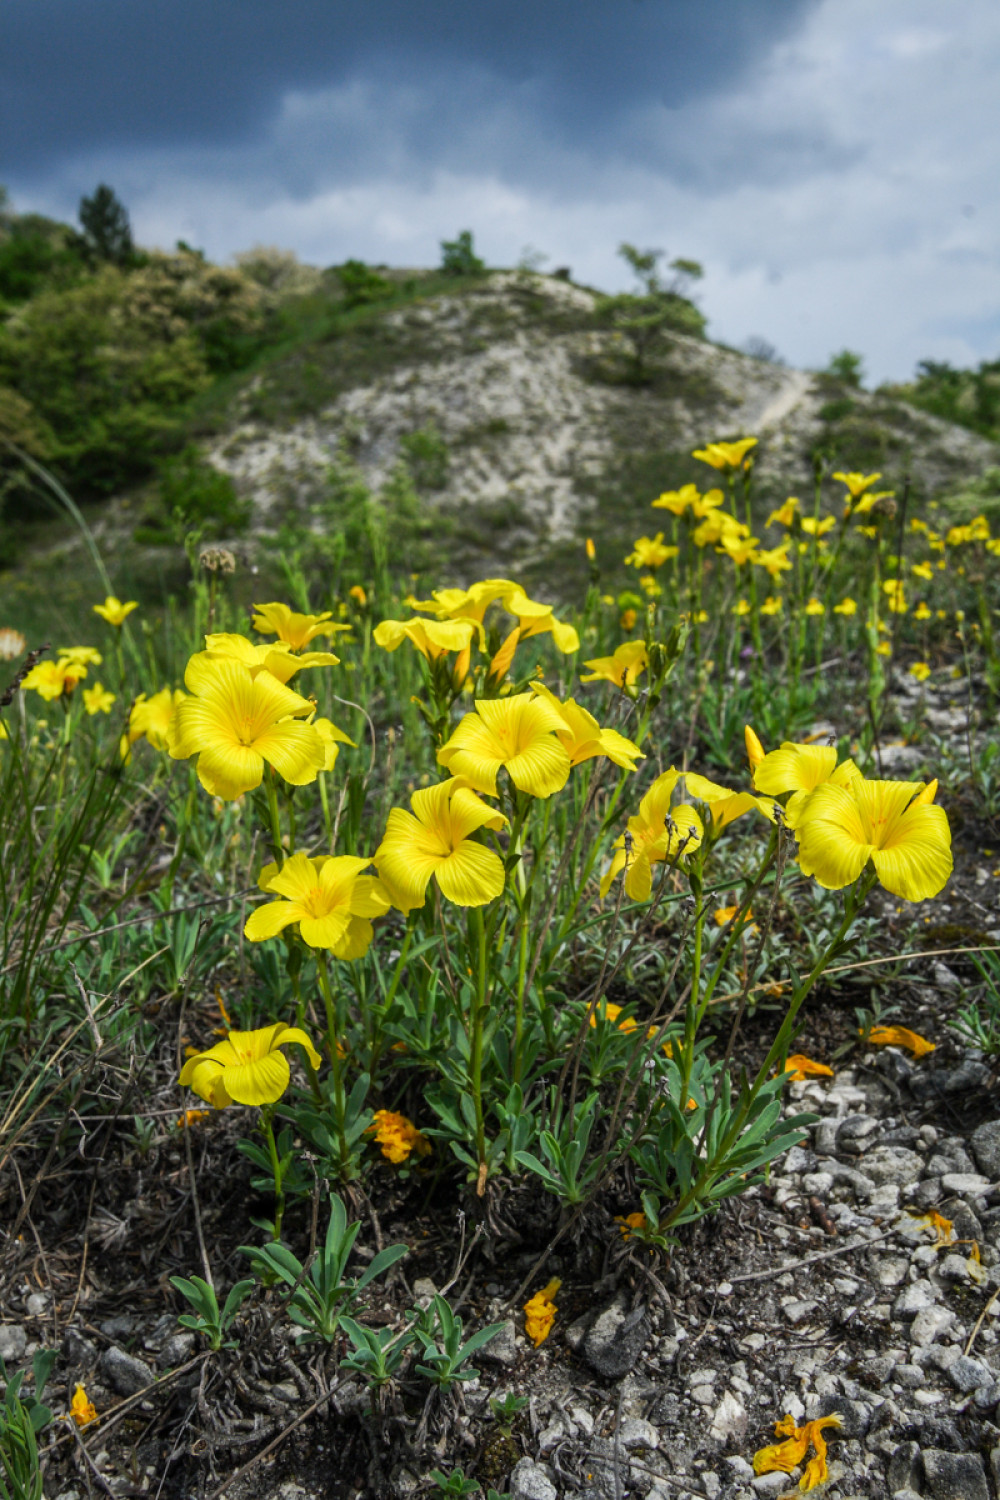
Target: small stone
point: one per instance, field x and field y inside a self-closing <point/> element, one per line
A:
<point x="891" y="1270"/>
<point x="954" y="1268"/>
<point x="13" y="1342"/>
<point x="904" y="1470"/>
<point x="892" y="1164"/>
<point x="929" y="1325"/>
<point x="529" y="1481"/>
<point x="955" y="1476"/>
<point x="985" y="1145"/>
<point x="37" y="1305"/>
<point x="987" y="1396"/>
<point x="424" y="1291"/>
<point x="773" y="1484"/>
<point x="80" y="1352"/>
<point x="577" y="1331"/>
<point x="826" y="1137"/>
<point x="178" y="1348"/>
<point x="710" y="1483"/>
<point x="616" y="1340"/>
<point x="118" y="1327"/>
<point x="913" y="1299"/>
<point x="798" y="1161"/>
<point x="742" y="1470"/>
<point x="818" y="1183"/>
<point x="502" y="1347"/>
<point x="729" y="1424"/>
<point x="855" y="1416"/>
<point x="798" y="1309"/>
<point x="124" y="1373"/>
<point x="965" y="1184"/>
<point x="967" y="1375"/>
<point x="634" y="1432"/>
<point x="912" y="1376"/>
<point x="945" y="978"/>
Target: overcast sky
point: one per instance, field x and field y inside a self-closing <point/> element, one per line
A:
<point x="834" y="164"/>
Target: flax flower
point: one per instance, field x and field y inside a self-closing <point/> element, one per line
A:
<point x="920" y="670"/>
<point x="679" y="501"/>
<point x="724" y="806"/>
<point x="845" y="607"/>
<point x="397" y="1136"/>
<point x="894" y="824"/>
<point x="247" y="1068"/>
<point x="812" y="527"/>
<point x="755" y="750"/>
<point x="650" y="552"/>
<point x="725" y="455"/>
<point x="896" y="592"/>
<point x="815" y="606"/>
<point x="519" y="733"/>
<point x="901" y="1036"/>
<point x="540" y="1313"/>
<point x="774" y="560"/>
<point x="772" y="605"/>
<point x="276" y="657"/>
<point x="739" y="549"/>
<point x="432" y="638"/>
<point x="329" y="898"/>
<point x="150" y="719"/>
<point x="583" y="738"/>
<point x="97" y="699"/>
<point x="114" y="611"/>
<point x="716" y="525"/>
<point x="652" y="840"/>
<point x="234" y="722"/>
<point x="51" y="679"/>
<point x="435" y="840"/>
<point x="857" y="483"/>
<point x="465" y="604"/>
<point x="784" y="1457"/>
<point x="786" y="514"/>
<point x="294" y="629"/>
<point x="623" y="669"/>
<point x="800" y="1067"/>
<point x="800" y="769"/>
<point x="922" y="612"/>
<point x="538" y="619"/>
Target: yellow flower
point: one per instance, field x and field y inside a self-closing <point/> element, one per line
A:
<point x="901" y="1036"/>
<point x="858" y="483"/>
<point x="725" y="806"/>
<point x="623" y="669"/>
<point x="51" y="679"/>
<point x="630" y="1223"/>
<point x="114" y="611"/>
<point x="922" y="612"/>
<point x="650" y="552"/>
<point x="815" y="606"/>
<point x="193" y="1117"/>
<point x="784" y="1457"/>
<point x="432" y="638"/>
<point x="538" y="619"/>
<point x="582" y="736"/>
<point x="688" y="498"/>
<point x="845" y="607"/>
<point x="651" y="841"/>
<point x="799" y="769"/>
<point x="893" y="587"/>
<point x="12" y="643"/>
<point x="235" y="722"/>
<point x="247" y="1068"/>
<point x="717" y="525"/>
<point x="437" y="842"/>
<point x="328" y="897"/>
<point x="920" y="670"/>
<point x="773" y="559"/>
<point x="97" y="699"/>
<point x="519" y="733"/>
<point x="332" y="738"/>
<point x="627" y="619"/>
<point x="276" y="658"/>
<point x="357" y="593"/>
<point x="81" y="1408"/>
<point x="892" y="823"/>
<point x="725" y="455"/>
<point x="80" y="656"/>
<point x="741" y="608"/>
<point x="786" y="515"/>
<point x="755" y="750"/>
<point x="465" y="604"/>
<point x="540" y="1312"/>
<point x="812" y="527"/>
<point x="801" y="1067"/>
<point x="739" y="549"/>
<point x="296" y="630"/>
<point x="772" y="605"/>
<point x="922" y="570"/>
<point x="590" y="549"/>
<point x="649" y="586"/>
<point x="151" y="718"/>
<point x="397" y="1136"/>
<point x="884" y="648"/>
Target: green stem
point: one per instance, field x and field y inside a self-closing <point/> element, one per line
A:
<point x="477" y="938"/>
<point x="279" y="1191"/>
<point x="272" y="808"/>
<point x="336" y="1065"/>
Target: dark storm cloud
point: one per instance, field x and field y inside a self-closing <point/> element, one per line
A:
<point x="80" y="78"/>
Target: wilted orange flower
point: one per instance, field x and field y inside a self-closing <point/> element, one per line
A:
<point x="630" y="1222"/>
<point x="397" y="1136"/>
<point x="540" y="1312"/>
<point x="784" y="1457"/>
<point x="900" y="1036"/>
<point x="800" y="1067"/>
<point x="81" y="1408"/>
<point x="192" y="1117"/>
<point x="943" y="1229"/>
